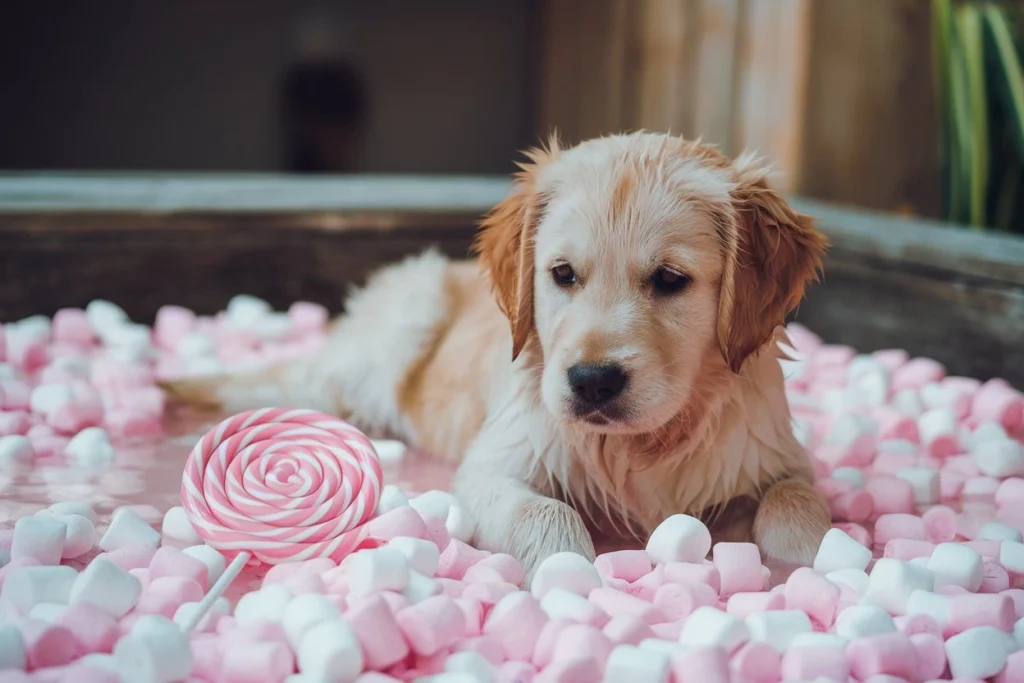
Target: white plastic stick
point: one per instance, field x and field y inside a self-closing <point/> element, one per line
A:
<point x="217" y="590"/>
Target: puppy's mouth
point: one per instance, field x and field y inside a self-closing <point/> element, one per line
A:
<point x="600" y="417"/>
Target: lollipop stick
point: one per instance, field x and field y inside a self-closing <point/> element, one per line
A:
<point x="217" y="590"/>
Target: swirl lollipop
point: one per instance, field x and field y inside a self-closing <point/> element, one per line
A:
<point x="281" y="485"/>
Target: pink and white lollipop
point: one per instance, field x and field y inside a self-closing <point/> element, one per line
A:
<point x="284" y="485"/>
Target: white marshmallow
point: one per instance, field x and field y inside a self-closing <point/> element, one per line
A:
<point x="15" y="451"/>
<point x="156" y="651"/>
<point x="559" y="603"/>
<point x="331" y="652"/>
<point x="423" y="555"/>
<point x="870" y="389"/>
<point x="661" y="647"/>
<point x="803" y="431"/>
<point x="39" y="537"/>
<point x="985" y="432"/>
<point x="935" y="423"/>
<point x="838" y="550"/>
<point x="978" y="652"/>
<point x="897" y="446"/>
<point x="680" y="538"/>
<point x="862" y="365"/>
<point x="133" y="340"/>
<point x="934" y="605"/>
<point x="304" y="612"/>
<point x="176" y="525"/>
<point x="391" y="497"/>
<point x="472" y="663"/>
<point x="850" y="474"/>
<point x="1018" y="633"/>
<point x="107" y="586"/>
<point x="420" y="588"/>
<point x="80" y="536"/>
<point x="892" y="581"/>
<point x="46" y="398"/>
<point x="856" y="579"/>
<point x="850" y="427"/>
<point x="103" y="314"/>
<point x="99" y="660"/>
<point x="908" y="402"/>
<point x="245" y="311"/>
<point x="128" y="528"/>
<point x="935" y="395"/>
<point x="433" y="503"/>
<point x="570" y="571"/>
<point x="997" y="531"/>
<point x="91" y="448"/>
<point x="925" y="482"/>
<point x="12" y="648"/>
<point x="1011" y="556"/>
<point x="389" y="450"/>
<point x="74" y="508"/>
<point x="628" y="664"/>
<point x="382" y="568"/>
<point x="187" y="611"/>
<point x="460" y="524"/>
<point x="858" y="621"/>
<point x="204" y="367"/>
<point x="211" y="557"/>
<point x="27" y="586"/>
<point x="47" y="611"/>
<point x="1000" y="459"/>
<point x="195" y="345"/>
<point x="708" y="625"/>
<point x="958" y="565"/>
<point x="8" y="371"/>
<point x="267" y="604"/>
<point x="778" y="628"/>
<point x="815" y="639"/>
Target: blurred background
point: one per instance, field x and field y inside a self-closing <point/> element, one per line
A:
<point x="912" y="106"/>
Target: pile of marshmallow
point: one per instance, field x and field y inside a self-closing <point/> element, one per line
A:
<point x="75" y="384"/>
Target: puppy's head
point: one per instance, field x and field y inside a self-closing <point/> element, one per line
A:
<point x="632" y="260"/>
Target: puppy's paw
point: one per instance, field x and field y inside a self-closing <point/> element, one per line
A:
<point x="790" y="522"/>
<point x="201" y="394"/>
<point x="539" y="527"/>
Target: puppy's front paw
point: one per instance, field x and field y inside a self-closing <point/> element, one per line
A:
<point x="791" y="521"/>
<point x="539" y="527"/>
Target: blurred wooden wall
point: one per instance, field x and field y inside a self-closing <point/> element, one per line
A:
<point x="837" y="92"/>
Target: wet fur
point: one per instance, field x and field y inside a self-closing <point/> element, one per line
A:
<point x="484" y="384"/>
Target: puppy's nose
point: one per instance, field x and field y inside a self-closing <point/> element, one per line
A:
<point x="597" y="383"/>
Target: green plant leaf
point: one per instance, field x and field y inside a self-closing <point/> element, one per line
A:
<point x="972" y="106"/>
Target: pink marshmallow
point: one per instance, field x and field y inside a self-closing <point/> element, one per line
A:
<point x="457" y="558"/>
<point x="812" y="593"/>
<point x="692" y="572"/>
<point x="1014" y="669"/>
<point x="940" y="524"/>
<point x="48" y="644"/>
<point x="899" y="526"/>
<point x="168" y="561"/>
<point x="488" y="594"/>
<point x="915" y="373"/>
<point x="257" y="663"/>
<point x="402" y="521"/>
<point x="704" y="664"/>
<point x="677" y="600"/>
<point x="739" y="567"/>
<point x="575" y="670"/>
<point x="489" y="647"/>
<point x="544" y="640"/>
<point x="627" y="629"/>
<point x="743" y="605"/>
<point x="647" y="585"/>
<point x="969" y="610"/>
<point x="999" y="403"/>
<point x="130" y="556"/>
<point x="890" y="495"/>
<point x="1010" y="492"/>
<point x="578" y="640"/>
<point x="913" y="624"/>
<point x="891" y="654"/>
<point x="308" y="317"/>
<point x="628" y="565"/>
<point x="617" y="603"/>
<point x="93" y="629"/>
<point x="516" y="621"/>
<point x="996" y="579"/>
<point x="171" y="325"/>
<point x="907" y="548"/>
<point x="508" y="567"/>
<point x="808" y="663"/>
<point x="756" y="662"/>
<point x="930" y="654"/>
<point x="14" y="422"/>
<point x="436" y="531"/>
<point x="856" y="532"/>
<point x="378" y="633"/>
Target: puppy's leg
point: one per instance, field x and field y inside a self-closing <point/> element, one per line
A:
<point x="514" y="518"/>
<point x="791" y="521"/>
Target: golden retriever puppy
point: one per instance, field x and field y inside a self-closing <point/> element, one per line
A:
<point x="628" y="369"/>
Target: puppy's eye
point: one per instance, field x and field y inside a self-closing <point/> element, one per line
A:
<point x="668" y="281"/>
<point x="563" y="275"/>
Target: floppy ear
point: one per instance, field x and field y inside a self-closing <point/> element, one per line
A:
<point x="771" y="253"/>
<point x="505" y="245"/>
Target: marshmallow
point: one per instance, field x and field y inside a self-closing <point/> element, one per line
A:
<point x="156" y="651"/>
<point x="813" y="663"/>
<point x="303" y="612"/>
<point x="377" y="630"/>
<point x="1011" y="556"/>
<point x="47" y="644"/>
<point x="569" y="571"/>
<point x="265" y="661"/>
<point x="839" y="551"/>
<point x="460" y="524"/>
<point x="104" y="314"/>
<point x="517" y="620"/>
<point x="889" y="654"/>
<point x="713" y="627"/>
<point x="391" y="497"/>
<point x="81" y="508"/>
<point x="925" y="482"/>
<point x="267" y="604"/>
<point x="46" y="611"/>
<point x="471" y="663"/>
<point x="423" y="555"/>
<point x="128" y="528"/>
<point x="892" y="581"/>
<point x="1001" y="459"/>
<point x="849" y="474"/>
<point x="434" y="503"/>
<point x="933" y="605"/>
<point x="384" y="568"/>
<point x="978" y="652"/>
<point x="938" y="429"/>
<point x="186" y="612"/>
<point x="433" y="624"/>
<point x="15" y="450"/>
<point x="859" y="621"/>
<point x="809" y="591"/>
<point x="956" y="564"/>
<point x="389" y="450"/>
<point x="12" y="648"/>
<point x="627" y="664"/>
<point x="856" y="579"/>
<point x="211" y="557"/>
<point x="739" y="567"/>
<point x="559" y="603"/>
<point x="91" y="448"/>
<point x="107" y="586"/>
<point x="48" y="398"/>
<point x="680" y="538"/>
<point x="420" y="588"/>
<point x="39" y="537"/>
<point x="997" y="531"/>
<point x="176" y="525"/>
<point x="80" y="536"/>
<point x="778" y="628"/>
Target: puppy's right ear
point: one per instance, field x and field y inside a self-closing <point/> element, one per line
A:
<point x="505" y="245"/>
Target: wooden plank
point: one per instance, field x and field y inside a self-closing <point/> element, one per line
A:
<point x="664" y="69"/>
<point x="772" y="83"/>
<point x="718" y="24"/>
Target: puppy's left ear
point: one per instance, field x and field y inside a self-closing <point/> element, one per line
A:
<point x="505" y="245"/>
<point x="771" y="253"/>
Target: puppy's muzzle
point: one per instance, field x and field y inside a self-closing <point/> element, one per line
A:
<point x="595" y="385"/>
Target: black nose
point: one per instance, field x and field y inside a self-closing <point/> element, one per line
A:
<point x="596" y="384"/>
